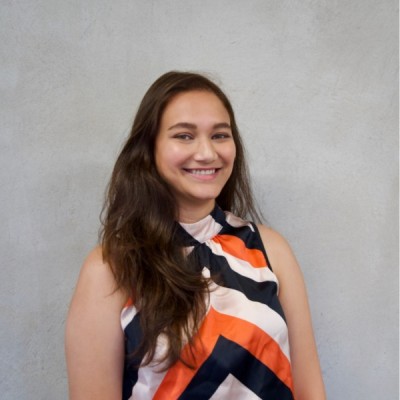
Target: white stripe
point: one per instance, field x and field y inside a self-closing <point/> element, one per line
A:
<point x="236" y="304"/>
<point x="127" y="315"/>
<point x="149" y="377"/>
<point x="237" y="222"/>
<point x="203" y="229"/>
<point x="231" y="388"/>
<point x="243" y="267"/>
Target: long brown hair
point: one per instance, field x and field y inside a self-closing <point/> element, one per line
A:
<point x="138" y="237"/>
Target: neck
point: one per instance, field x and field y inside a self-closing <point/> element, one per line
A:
<point x="189" y="214"/>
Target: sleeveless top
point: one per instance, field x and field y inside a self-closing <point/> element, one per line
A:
<point x="243" y="350"/>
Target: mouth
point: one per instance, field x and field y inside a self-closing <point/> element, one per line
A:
<point x="204" y="172"/>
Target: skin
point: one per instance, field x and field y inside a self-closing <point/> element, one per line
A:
<point x="94" y="340"/>
<point x="194" y="153"/>
<point x="306" y="371"/>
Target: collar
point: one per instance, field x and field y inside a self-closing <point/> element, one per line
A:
<point x="203" y="230"/>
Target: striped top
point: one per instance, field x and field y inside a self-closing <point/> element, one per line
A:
<point x="243" y="350"/>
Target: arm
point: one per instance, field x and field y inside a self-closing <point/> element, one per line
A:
<point x="307" y="377"/>
<point x="94" y="340"/>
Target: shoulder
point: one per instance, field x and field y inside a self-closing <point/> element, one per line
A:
<point x="96" y="281"/>
<point x="94" y="263"/>
<point x="273" y="238"/>
<point x="279" y="251"/>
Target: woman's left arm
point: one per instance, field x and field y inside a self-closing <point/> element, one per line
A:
<point x="307" y="376"/>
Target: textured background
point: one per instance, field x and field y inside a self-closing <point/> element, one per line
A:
<point x="314" y="85"/>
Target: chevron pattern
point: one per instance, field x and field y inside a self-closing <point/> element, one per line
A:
<point x="241" y="350"/>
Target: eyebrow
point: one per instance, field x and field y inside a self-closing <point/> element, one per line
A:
<point x="188" y="125"/>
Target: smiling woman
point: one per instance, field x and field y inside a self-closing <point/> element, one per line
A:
<point x="181" y="300"/>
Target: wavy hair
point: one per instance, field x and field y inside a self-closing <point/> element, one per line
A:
<point x="139" y="231"/>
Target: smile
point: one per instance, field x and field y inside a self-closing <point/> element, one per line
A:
<point x="202" y="171"/>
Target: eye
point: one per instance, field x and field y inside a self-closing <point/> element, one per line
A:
<point x="183" y="136"/>
<point x="221" y="135"/>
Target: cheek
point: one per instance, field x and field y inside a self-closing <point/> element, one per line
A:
<point x="162" y="159"/>
<point x="158" y="159"/>
<point x="230" y="154"/>
<point x="229" y="157"/>
<point x="167" y="158"/>
<point x="233" y="158"/>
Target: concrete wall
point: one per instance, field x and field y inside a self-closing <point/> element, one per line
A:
<point x="314" y="85"/>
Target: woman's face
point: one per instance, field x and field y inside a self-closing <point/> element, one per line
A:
<point x="194" y="149"/>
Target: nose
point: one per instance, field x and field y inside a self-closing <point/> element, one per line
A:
<point x="205" y="151"/>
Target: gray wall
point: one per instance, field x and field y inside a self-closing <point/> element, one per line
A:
<point x="314" y="85"/>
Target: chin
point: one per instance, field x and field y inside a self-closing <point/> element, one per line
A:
<point x="202" y="199"/>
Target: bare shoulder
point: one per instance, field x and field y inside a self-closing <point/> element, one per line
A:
<point x="95" y="257"/>
<point x="96" y="282"/>
<point x="94" y="263"/>
<point x="96" y="273"/>
<point x="278" y="249"/>
<point x="273" y="238"/>
<point x="96" y="294"/>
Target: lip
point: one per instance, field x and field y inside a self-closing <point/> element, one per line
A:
<point x="203" y="174"/>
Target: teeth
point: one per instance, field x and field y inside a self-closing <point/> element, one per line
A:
<point x="203" y="171"/>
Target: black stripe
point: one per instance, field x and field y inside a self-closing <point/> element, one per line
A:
<point x="218" y="214"/>
<point x="133" y="337"/>
<point x="230" y="358"/>
<point x="251" y="239"/>
<point x="244" y="233"/>
<point x="221" y="272"/>
<point x="185" y="238"/>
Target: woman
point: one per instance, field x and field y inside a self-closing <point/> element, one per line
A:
<point x="181" y="299"/>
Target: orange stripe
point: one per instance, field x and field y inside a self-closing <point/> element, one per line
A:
<point x="248" y="335"/>
<point x="128" y="303"/>
<point x="237" y="248"/>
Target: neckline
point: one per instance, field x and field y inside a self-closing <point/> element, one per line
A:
<point x="204" y="229"/>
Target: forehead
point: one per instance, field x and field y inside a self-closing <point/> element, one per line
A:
<point x="195" y="105"/>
